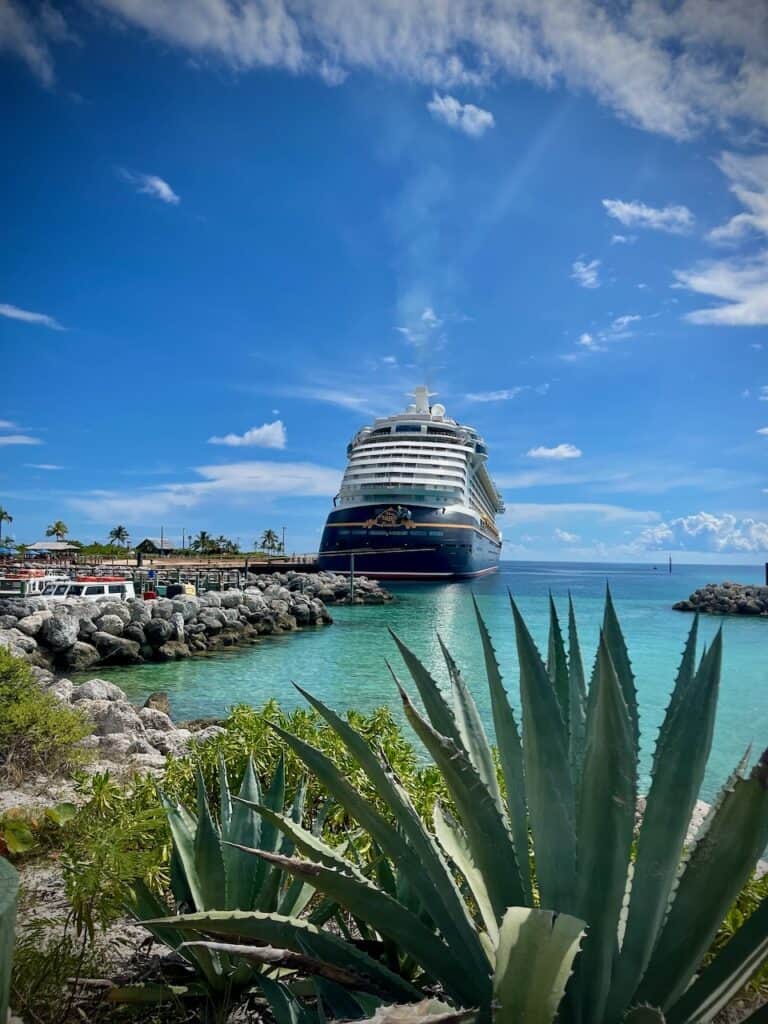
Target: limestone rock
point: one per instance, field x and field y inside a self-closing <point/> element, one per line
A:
<point x="172" y="650"/>
<point x="98" y="689"/>
<point x="61" y="690"/>
<point x="159" y="700"/>
<point x="59" y="631"/>
<point x="116" y="649"/>
<point x="177" y="621"/>
<point x="118" y="608"/>
<point x="155" y="720"/>
<point x="157" y="631"/>
<point x="81" y="656"/>
<point x="113" y="716"/>
<point x="112" y="624"/>
<point x="133" y="631"/>
<point x="32" y="624"/>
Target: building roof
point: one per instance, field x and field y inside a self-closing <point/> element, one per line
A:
<point x="167" y="543"/>
<point x="55" y="546"/>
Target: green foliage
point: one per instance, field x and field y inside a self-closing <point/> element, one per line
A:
<point x="26" y="830"/>
<point x="37" y="732"/>
<point x="578" y="775"/>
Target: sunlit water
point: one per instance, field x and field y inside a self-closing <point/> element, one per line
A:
<point x="344" y="664"/>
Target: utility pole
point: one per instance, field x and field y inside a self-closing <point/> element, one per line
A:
<point x="183" y="538"/>
<point x="283" y="540"/>
<point x="162" y="542"/>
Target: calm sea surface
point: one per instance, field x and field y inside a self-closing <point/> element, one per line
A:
<point x="344" y="664"/>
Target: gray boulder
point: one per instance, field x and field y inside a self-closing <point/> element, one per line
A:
<point x="211" y="599"/>
<point x="118" y="608"/>
<point x="113" y="716"/>
<point x="116" y="649"/>
<point x="81" y="656"/>
<point x="177" y="621"/>
<point x="157" y="631"/>
<point x="174" y="742"/>
<point x="59" y="631"/>
<point x="32" y="624"/>
<point x="98" y="689"/>
<point x="212" y="623"/>
<point x="27" y="644"/>
<point x="172" y="650"/>
<point x="187" y="607"/>
<point x="231" y="598"/>
<point x="159" y="700"/>
<point x="208" y="733"/>
<point x="134" y="631"/>
<point x="10" y="621"/>
<point x="61" y="690"/>
<point x="162" y="608"/>
<point x="155" y="720"/>
<point x="138" y="610"/>
<point x="115" y="746"/>
<point x="112" y="624"/>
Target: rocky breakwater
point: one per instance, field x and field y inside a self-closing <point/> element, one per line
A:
<point x="727" y="599"/>
<point x="75" y="635"/>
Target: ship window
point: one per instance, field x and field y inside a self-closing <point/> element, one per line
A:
<point x="407" y="428"/>
<point x="74" y="591"/>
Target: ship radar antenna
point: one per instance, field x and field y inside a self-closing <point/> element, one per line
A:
<point x="422" y="396"/>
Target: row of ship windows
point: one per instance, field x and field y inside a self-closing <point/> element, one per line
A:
<point x="407" y="469"/>
<point x="397" y="444"/>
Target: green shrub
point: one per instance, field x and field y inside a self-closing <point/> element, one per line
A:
<point x="37" y="732"/>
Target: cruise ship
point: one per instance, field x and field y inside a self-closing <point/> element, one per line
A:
<point x="416" y="500"/>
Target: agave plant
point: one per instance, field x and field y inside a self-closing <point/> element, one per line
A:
<point x="598" y="924"/>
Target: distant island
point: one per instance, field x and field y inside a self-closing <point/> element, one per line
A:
<point x="727" y="599"/>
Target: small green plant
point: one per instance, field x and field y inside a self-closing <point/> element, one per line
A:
<point x="37" y="732"/>
<point x="571" y="939"/>
<point x="24" y="831"/>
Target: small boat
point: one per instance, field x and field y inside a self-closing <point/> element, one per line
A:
<point x="91" y="588"/>
<point x="29" y="582"/>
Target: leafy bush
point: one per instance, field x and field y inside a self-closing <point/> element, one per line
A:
<point x="37" y="732"/>
<point x="572" y="781"/>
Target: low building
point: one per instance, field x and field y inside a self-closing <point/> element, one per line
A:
<point x="155" y="546"/>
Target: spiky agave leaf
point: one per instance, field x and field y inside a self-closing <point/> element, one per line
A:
<point x="534" y="960"/>
<point x="548" y="782"/>
<point x="645" y="1014"/>
<point x="557" y="664"/>
<point x="577" y="699"/>
<point x="720" y="864"/>
<point x="728" y="973"/>
<point x="454" y="841"/>
<point x="438" y="710"/>
<point x="428" y="1011"/>
<point x="243" y="875"/>
<point x="677" y="777"/>
<point x="510" y="755"/>
<point x="209" y="866"/>
<point x="606" y="818"/>
<point x="614" y="639"/>
<point x="409" y="846"/>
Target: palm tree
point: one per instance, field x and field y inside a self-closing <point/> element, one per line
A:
<point x="57" y="529"/>
<point x="269" y="540"/>
<point x="119" y="535"/>
<point x="203" y="543"/>
<point x="5" y="517"/>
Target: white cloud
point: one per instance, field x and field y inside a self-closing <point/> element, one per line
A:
<point x="748" y="176"/>
<point x="676" y="220"/>
<point x="566" y="537"/>
<point x="465" y="117"/>
<point x="505" y="394"/>
<point x="423" y="329"/>
<point x="741" y="284"/>
<point x="676" y="69"/>
<point x="9" y="439"/>
<point x="230" y="482"/>
<point x="27" y="317"/>
<point x="623" y="239"/>
<point x="586" y="274"/>
<point x="619" y="329"/>
<point x="706" y="532"/>
<point x="268" y="435"/>
<point x="42" y="465"/>
<point x="7" y="425"/>
<point x="560" y="451"/>
<point x="526" y="512"/>
<point x="763" y="396"/>
<point x="27" y="33"/>
<point x="150" y="185"/>
<point x="763" y="431"/>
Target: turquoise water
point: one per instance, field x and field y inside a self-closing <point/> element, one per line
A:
<point x="344" y="664"/>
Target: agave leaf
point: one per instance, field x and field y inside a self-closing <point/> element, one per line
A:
<point x="244" y="875"/>
<point x="677" y="778"/>
<point x="438" y="710"/>
<point x="510" y="755"/>
<point x="209" y="865"/>
<point x="471" y="729"/>
<point x="728" y="973"/>
<point x="225" y="799"/>
<point x="534" y="960"/>
<point x="365" y="900"/>
<point x="606" y="818"/>
<point x="410" y="846"/>
<point x="487" y="832"/>
<point x="720" y="864"/>
<point x="557" y="664"/>
<point x="617" y="648"/>
<point x="339" y="1002"/>
<point x="548" y="783"/>
<point x="286" y="1008"/>
<point x="184" y="847"/>
<point x="295" y="934"/>
<point x="645" y="1015"/>
<point x="577" y="733"/>
<point x="274" y="799"/>
<point x="683" y="680"/>
<point x="454" y="842"/>
<point x="428" y="1011"/>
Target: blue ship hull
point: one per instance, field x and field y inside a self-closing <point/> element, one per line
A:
<point x="398" y="542"/>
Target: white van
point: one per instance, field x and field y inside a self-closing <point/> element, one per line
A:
<point x="91" y="588"/>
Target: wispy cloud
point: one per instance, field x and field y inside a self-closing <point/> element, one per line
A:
<point x="586" y="274"/>
<point x="560" y="451"/>
<point x="150" y="185"/>
<point x="230" y="482"/>
<point x="42" y="465"/>
<point x="676" y="220"/>
<point x="28" y="317"/>
<point x="465" y="117"/>
<point x="423" y="330"/>
<point x="565" y="537"/>
<point x="741" y="284"/>
<point x="268" y="435"/>
<point x="619" y="329"/>
<point x="505" y="394"/>
<point x="11" y="439"/>
<point x="748" y="176"/>
<point x="763" y="431"/>
<point x="522" y="512"/>
<point x="623" y="239"/>
<point x="7" y="425"/>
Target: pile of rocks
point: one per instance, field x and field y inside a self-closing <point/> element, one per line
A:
<point x="727" y="599"/>
<point x="76" y="635"/>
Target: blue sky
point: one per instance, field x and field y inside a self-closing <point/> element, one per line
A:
<point x="232" y="237"/>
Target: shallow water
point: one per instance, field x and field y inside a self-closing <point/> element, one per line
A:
<point x="344" y="664"/>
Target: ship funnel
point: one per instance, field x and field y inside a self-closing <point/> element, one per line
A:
<point x="422" y="396"/>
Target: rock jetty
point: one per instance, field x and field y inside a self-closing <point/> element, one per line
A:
<point x="76" y="635"/>
<point x="727" y="599"/>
